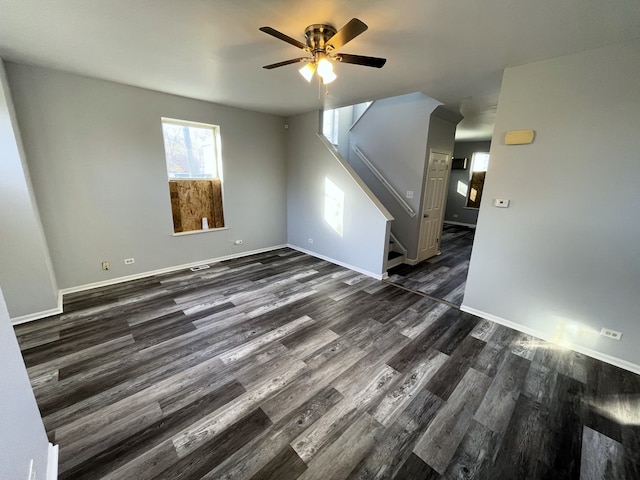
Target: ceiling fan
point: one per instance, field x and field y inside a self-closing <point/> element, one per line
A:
<point x="323" y="41"/>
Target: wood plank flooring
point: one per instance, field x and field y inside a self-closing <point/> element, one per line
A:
<point x="442" y="277"/>
<point x="283" y="366"/>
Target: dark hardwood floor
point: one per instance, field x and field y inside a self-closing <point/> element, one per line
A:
<point x="442" y="277"/>
<point x="283" y="366"/>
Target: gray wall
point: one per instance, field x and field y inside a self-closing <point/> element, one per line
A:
<point x="564" y="259"/>
<point x="96" y="155"/>
<point x="363" y="244"/>
<point x="456" y="211"/>
<point x="22" y="434"/>
<point x="26" y="274"/>
<point x="393" y="135"/>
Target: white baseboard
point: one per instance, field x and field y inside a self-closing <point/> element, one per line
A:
<point x="37" y="315"/>
<point x="377" y="276"/>
<point x="52" y="462"/>
<point x="462" y="224"/>
<point x="160" y="271"/>
<point x="618" y="362"/>
<point x="80" y="288"/>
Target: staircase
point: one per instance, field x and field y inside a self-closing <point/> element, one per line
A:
<point x="397" y="253"/>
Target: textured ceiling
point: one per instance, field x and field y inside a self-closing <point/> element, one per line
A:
<point x="454" y="51"/>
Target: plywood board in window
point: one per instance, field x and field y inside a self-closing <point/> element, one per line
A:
<point x="193" y="200"/>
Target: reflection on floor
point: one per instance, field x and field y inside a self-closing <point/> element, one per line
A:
<point x="443" y="276"/>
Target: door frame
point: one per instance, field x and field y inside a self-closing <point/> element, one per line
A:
<point x="445" y="190"/>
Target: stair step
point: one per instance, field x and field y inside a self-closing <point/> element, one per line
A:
<point x="393" y="255"/>
<point x="394" y="259"/>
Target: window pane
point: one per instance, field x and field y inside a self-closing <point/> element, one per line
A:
<point x="330" y="125"/>
<point x="190" y="150"/>
<point x="479" y="164"/>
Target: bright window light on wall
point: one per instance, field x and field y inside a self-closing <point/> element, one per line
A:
<point x="330" y="125"/>
<point x="462" y="188"/>
<point x="333" y="206"/>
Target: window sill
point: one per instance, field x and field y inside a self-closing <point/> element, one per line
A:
<point x="192" y="232"/>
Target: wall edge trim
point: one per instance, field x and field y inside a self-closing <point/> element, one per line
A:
<point x="52" y="462"/>
<point x="615" y="361"/>
<point x="377" y="276"/>
<point x="30" y="317"/>
<point x="105" y="283"/>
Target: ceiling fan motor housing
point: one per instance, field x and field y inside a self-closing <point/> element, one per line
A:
<point x="317" y="36"/>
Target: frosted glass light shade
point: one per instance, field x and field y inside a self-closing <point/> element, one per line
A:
<point x="307" y="71"/>
<point x="329" y="77"/>
<point x="324" y="67"/>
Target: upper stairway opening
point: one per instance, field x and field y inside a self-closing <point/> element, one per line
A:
<point x="390" y="144"/>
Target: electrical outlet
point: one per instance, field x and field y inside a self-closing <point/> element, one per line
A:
<point x="105" y="265"/>
<point x="129" y="261"/>
<point x="409" y="194"/>
<point x="606" y="332"/>
<point x="238" y="242"/>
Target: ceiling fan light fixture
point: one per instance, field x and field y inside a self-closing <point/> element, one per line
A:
<point x="307" y="71"/>
<point x="324" y="67"/>
<point x="322" y="40"/>
<point x="328" y="78"/>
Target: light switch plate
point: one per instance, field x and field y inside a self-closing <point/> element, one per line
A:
<point x="501" y="203"/>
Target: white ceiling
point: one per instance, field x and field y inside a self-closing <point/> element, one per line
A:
<point x="453" y="50"/>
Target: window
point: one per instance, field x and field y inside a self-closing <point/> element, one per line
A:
<point x="477" y="173"/>
<point x="330" y="125"/>
<point x="192" y="152"/>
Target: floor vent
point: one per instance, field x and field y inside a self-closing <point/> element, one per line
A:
<point x="199" y="267"/>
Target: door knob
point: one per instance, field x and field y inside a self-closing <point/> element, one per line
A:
<point x="426" y="215"/>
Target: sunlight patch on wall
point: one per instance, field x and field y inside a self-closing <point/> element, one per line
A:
<point x="568" y="333"/>
<point x="333" y="206"/>
<point x="462" y="188"/>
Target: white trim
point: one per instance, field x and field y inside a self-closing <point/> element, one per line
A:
<point x="412" y="261"/>
<point x="462" y="224"/>
<point x="618" y="362"/>
<point x="191" y="232"/>
<point x="137" y="276"/>
<point x="52" y="462"/>
<point x="80" y="288"/>
<point x="355" y="177"/>
<point x="377" y="276"/>
<point x="394" y="193"/>
<point x="397" y="242"/>
<point x="362" y="114"/>
<point x="30" y="317"/>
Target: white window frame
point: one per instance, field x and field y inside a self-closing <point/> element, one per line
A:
<point x="217" y="149"/>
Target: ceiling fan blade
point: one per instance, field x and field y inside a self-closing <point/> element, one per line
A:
<point x="361" y="60"/>
<point x="286" y="62"/>
<point x="347" y="33"/>
<point x="286" y="38"/>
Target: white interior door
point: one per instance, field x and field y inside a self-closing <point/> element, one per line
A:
<point x="435" y="195"/>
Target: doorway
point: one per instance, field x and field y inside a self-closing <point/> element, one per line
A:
<point x="443" y="277"/>
<point x="433" y="204"/>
